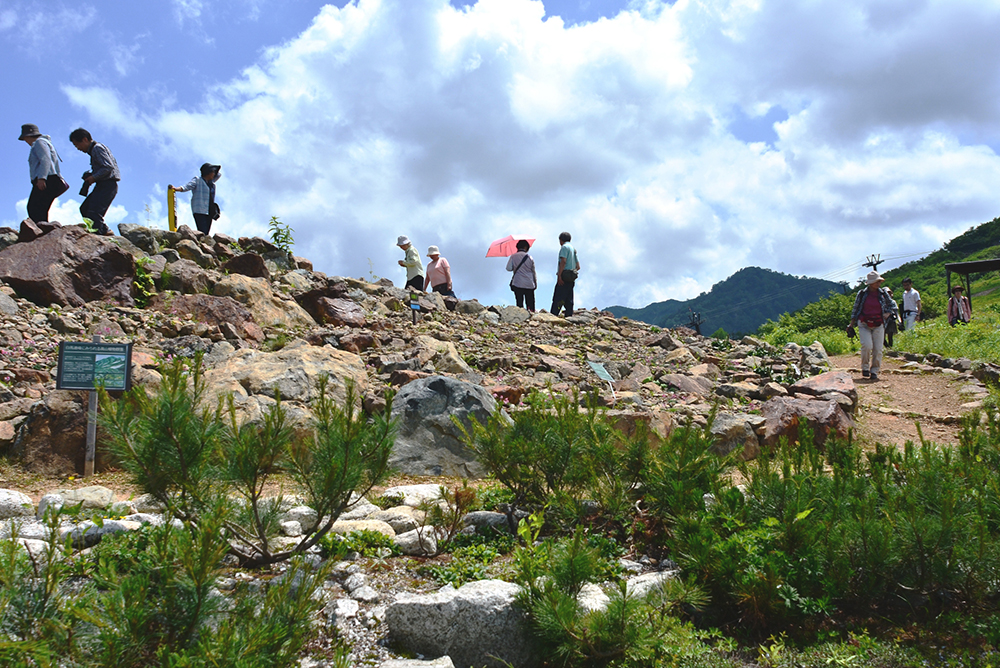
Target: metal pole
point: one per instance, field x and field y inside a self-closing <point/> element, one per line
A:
<point x="88" y="461"/>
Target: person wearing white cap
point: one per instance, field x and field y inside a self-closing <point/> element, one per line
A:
<point x="414" y="267"/>
<point x="438" y="273"/>
<point x="873" y="307"/>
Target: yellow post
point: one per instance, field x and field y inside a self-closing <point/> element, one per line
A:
<point x="171" y="217"/>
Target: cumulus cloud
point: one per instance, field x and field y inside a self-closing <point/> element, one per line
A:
<point x="456" y="126"/>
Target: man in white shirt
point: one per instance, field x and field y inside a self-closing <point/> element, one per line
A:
<point x="911" y="305"/>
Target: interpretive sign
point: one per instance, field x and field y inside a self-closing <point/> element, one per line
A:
<point x="601" y="372"/>
<point x="88" y="366"/>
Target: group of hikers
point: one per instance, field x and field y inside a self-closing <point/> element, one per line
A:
<point x="523" y="282"/>
<point x="876" y="316"/>
<point x="47" y="182"/>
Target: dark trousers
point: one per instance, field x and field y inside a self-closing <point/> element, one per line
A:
<point x="443" y="289"/>
<point x="415" y="283"/>
<point x="203" y="222"/>
<point x="40" y="201"/>
<point x="98" y="202"/>
<point x="522" y="295"/>
<point x="562" y="296"/>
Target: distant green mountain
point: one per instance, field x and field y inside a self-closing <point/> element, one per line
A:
<point x="740" y="304"/>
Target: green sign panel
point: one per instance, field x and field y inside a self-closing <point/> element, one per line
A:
<point x="87" y="366"/>
<point x="601" y="372"/>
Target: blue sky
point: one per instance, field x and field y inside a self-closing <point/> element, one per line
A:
<point x="677" y="142"/>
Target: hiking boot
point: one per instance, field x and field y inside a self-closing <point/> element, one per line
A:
<point x="865" y="373"/>
<point x="874" y="377"/>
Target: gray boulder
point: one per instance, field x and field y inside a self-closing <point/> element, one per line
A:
<point x="428" y="442"/>
<point x="732" y="432"/>
<point x="511" y="314"/>
<point x="15" y="504"/>
<point x="476" y="625"/>
<point x="7" y="305"/>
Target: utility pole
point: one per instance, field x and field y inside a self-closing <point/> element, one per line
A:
<point x="696" y="321"/>
<point x="873" y="261"/>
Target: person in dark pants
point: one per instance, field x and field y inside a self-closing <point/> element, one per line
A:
<point x="103" y="174"/>
<point x="569" y="267"/>
<point x="43" y="164"/>
<point x="202" y="195"/>
<point x="524" y="281"/>
<point x="438" y="276"/>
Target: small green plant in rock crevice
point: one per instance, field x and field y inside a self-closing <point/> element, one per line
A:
<point x="143" y="282"/>
<point x="281" y="234"/>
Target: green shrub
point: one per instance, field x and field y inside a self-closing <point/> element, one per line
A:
<point x="551" y="455"/>
<point x="199" y="462"/>
<point x="473" y="562"/>
<point x="367" y="543"/>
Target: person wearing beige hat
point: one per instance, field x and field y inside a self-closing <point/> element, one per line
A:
<point x="414" y="267"/>
<point x="959" y="310"/>
<point x="438" y="273"/>
<point x="46" y="181"/>
<point x="873" y="307"/>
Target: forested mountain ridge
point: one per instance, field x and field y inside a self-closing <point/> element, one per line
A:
<point x="739" y="304"/>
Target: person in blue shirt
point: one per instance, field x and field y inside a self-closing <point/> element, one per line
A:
<point x="569" y="268"/>
<point x="43" y="164"/>
<point x="203" y="196"/>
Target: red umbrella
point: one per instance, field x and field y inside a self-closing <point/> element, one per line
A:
<point x="507" y="246"/>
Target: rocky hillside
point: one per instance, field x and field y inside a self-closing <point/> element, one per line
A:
<point x="267" y="324"/>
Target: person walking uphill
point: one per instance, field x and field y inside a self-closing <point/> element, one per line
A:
<point x="524" y="281"/>
<point x="872" y="309"/>
<point x="103" y="174"/>
<point x="569" y="268"/>
<point x="414" y="267"/>
<point x="203" y="206"/>
<point x="438" y="273"/>
<point x="43" y="165"/>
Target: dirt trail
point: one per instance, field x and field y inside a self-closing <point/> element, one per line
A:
<point x="890" y="408"/>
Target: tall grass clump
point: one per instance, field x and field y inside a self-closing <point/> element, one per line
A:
<point x="978" y="340"/>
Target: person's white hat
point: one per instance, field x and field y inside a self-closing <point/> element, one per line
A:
<point x="403" y="240"/>
<point x="433" y="250"/>
<point x="873" y="277"/>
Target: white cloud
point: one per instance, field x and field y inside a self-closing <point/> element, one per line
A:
<point x="456" y="127"/>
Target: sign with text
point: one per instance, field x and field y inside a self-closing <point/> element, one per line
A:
<point x="88" y="366"/>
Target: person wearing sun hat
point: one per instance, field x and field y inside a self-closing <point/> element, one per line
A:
<point x="959" y="309"/>
<point x="873" y="307"/>
<point x="43" y="163"/>
<point x="438" y="273"/>
<point x="414" y="267"/>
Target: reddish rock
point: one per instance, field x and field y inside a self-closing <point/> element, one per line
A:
<point x="7" y="432"/>
<point x="338" y="312"/>
<point x="23" y="375"/>
<point x="47" y="226"/>
<point x="659" y="423"/>
<point x="402" y="377"/>
<point x="356" y="342"/>
<point x="302" y="263"/>
<point x="213" y="311"/>
<point x="508" y="394"/>
<point x="69" y="267"/>
<point x="566" y="370"/>
<point x="53" y="439"/>
<point x="184" y="276"/>
<point x="824" y="383"/>
<point x="783" y="415"/>
<point x="664" y="340"/>
<point x="248" y="264"/>
<point x="698" y="385"/>
<point x="29" y="231"/>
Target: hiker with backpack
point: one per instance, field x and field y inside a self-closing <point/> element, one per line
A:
<point x="873" y="307"/>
